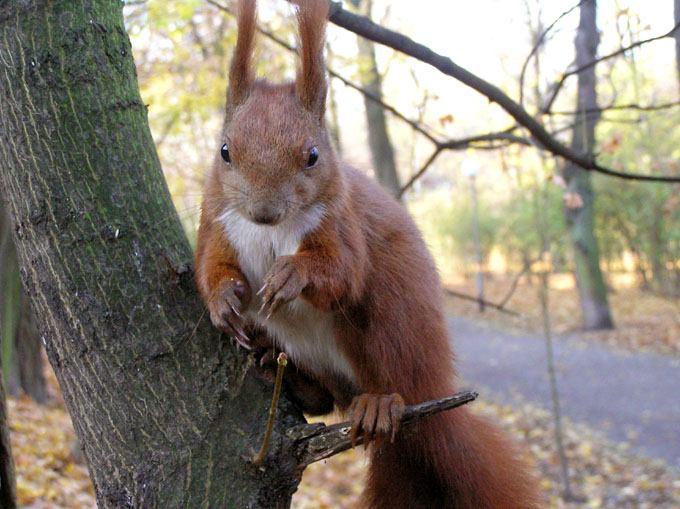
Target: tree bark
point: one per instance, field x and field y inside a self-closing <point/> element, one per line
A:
<point x="167" y="410"/>
<point x="382" y="153"/>
<point x="580" y="220"/>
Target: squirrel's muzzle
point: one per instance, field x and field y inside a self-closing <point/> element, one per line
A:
<point x="265" y="215"/>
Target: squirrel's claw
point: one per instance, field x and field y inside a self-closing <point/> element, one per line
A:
<point x="225" y="312"/>
<point x="377" y="415"/>
<point x="282" y="284"/>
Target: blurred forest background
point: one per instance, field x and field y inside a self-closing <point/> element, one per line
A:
<point x="509" y="224"/>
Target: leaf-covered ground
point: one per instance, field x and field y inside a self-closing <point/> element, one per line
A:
<point x="48" y="475"/>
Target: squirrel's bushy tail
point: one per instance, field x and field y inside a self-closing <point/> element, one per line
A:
<point x="451" y="460"/>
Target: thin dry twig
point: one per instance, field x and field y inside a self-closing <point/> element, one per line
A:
<point x="462" y="143"/>
<point x="515" y="281"/>
<point x="281" y="362"/>
<point x="315" y="442"/>
<point x="537" y="45"/>
<point x="465" y="296"/>
<point x="420" y="172"/>
<point x="558" y="85"/>
<point x="618" y="107"/>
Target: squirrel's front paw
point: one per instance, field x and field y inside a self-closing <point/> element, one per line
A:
<point x="282" y="284"/>
<point x="377" y="415"/>
<point x="228" y="300"/>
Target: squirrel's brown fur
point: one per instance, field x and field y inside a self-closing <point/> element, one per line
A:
<point x="348" y="288"/>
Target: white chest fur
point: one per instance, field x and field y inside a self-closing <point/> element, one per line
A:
<point x="305" y="333"/>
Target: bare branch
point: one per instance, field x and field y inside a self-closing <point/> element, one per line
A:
<point x="472" y="298"/>
<point x="365" y="27"/>
<point x="500" y="136"/>
<point x="462" y="143"/>
<point x="515" y="281"/>
<point x="414" y="124"/>
<point x="538" y="43"/>
<point x="315" y="442"/>
<point x="636" y="107"/>
<point x="420" y="172"/>
<point x="558" y="85"/>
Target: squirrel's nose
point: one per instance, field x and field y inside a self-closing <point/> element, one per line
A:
<point x="265" y="216"/>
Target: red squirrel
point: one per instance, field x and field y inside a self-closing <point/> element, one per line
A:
<point x="333" y="270"/>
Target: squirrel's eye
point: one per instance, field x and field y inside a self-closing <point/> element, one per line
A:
<point x="313" y="157"/>
<point x="224" y="151"/>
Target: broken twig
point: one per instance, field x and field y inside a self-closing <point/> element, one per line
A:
<point x="314" y="442"/>
<point x="281" y="360"/>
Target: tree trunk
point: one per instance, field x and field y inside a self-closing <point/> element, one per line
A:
<point x="580" y="220"/>
<point x="633" y="246"/>
<point x="22" y="351"/>
<point x="28" y="361"/>
<point x="167" y="410"/>
<point x="9" y="299"/>
<point x="334" y="126"/>
<point x="382" y="153"/>
<point x="661" y="277"/>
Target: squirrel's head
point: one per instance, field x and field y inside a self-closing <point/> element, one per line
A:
<point x="276" y="160"/>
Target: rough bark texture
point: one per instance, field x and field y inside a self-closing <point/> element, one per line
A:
<point x="166" y="409"/>
<point x="580" y="221"/>
<point x="382" y="153"/>
<point x="22" y="351"/>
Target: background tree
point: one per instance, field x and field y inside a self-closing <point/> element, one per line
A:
<point x="382" y="153"/>
<point x="26" y="376"/>
<point x="21" y="344"/>
<point x="579" y="207"/>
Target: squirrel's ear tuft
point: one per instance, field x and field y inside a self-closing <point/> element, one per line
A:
<point x="310" y="83"/>
<point x="241" y="74"/>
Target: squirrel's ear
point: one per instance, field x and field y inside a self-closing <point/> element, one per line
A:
<point x="241" y="75"/>
<point x="310" y="83"/>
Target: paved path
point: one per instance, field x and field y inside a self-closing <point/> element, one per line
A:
<point x="630" y="397"/>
